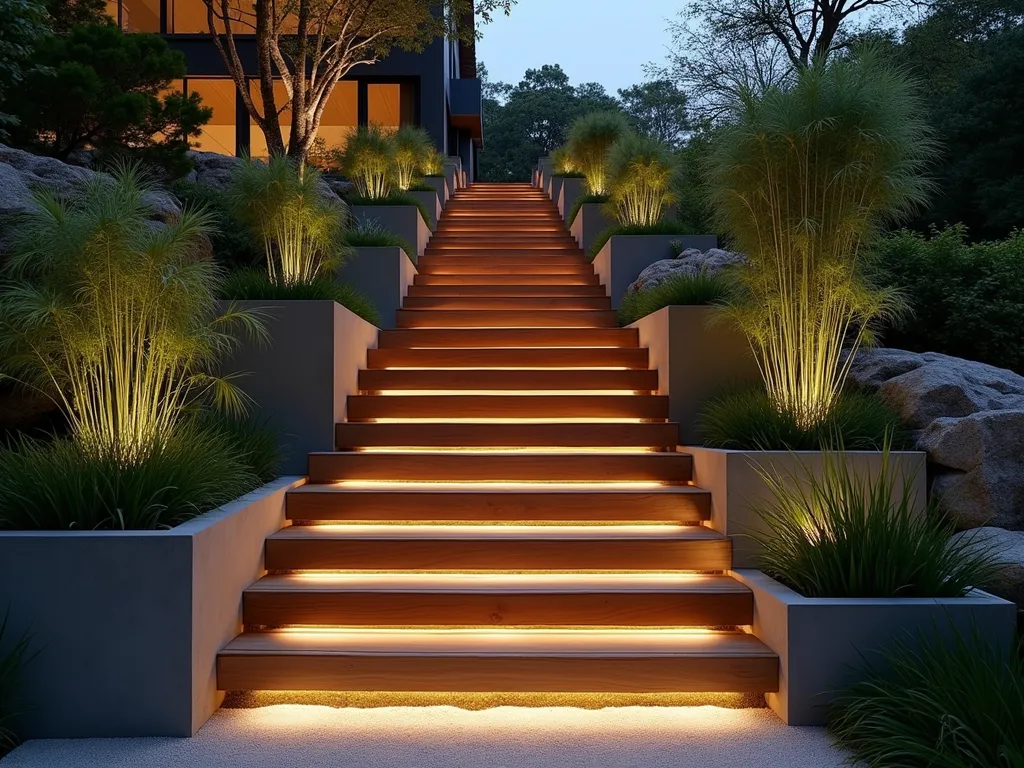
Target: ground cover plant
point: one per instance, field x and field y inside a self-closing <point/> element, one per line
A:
<point x="253" y="285"/>
<point x="370" y="234"/>
<point x="701" y="288"/>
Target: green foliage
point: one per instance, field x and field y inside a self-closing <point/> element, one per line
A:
<point x="368" y="160"/>
<point x="394" y="198"/>
<point x="23" y="28"/>
<point x="774" y="180"/>
<point x="585" y="200"/>
<point x="965" y="300"/>
<point x="640" y="179"/>
<point x="60" y="486"/>
<point x="590" y="139"/>
<point x="660" y="228"/>
<point x="15" y="654"/>
<point x="851" y="533"/>
<point x="948" y="702"/>
<point x="115" y="318"/>
<point x="433" y="164"/>
<point x="254" y="442"/>
<point x="232" y="245"/>
<point x="370" y="234"/>
<point x="283" y="207"/>
<point x="694" y="208"/>
<point x="253" y="285"/>
<point x="65" y="14"/>
<point x="99" y="87"/>
<point x="678" y="290"/>
<point x="747" y="419"/>
<point x="657" y="108"/>
<point x="413" y="151"/>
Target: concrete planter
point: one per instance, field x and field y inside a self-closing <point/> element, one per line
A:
<point x="404" y="220"/>
<point x="572" y="189"/>
<point x="384" y="275"/>
<point x="440" y="183"/>
<point x="624" y="257"/>
<point x="130" y="622"/>
<point x="695" y="358"/>
<point x="554" y="188"/>
<point x="590" y="222"/>
<point x="432" y="202"/>
<point x="299" y="382"/>
<point x="737" y="490"/>
<point x="823" y="643"/>
<point x="543" y="171"/>
<point x="453" y="173"/>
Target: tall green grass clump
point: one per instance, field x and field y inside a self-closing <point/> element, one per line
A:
<point x="563" y="163"/>
<point x="413" y="151"/>
<point x="949" y="702"/>
<point x="285" y="210"/>
<point x="640" y="179"/>
<point x="252" y="285"/>
<point x="701" y="288"/>
<point x="590" y="138"/>
<point x="368" y="161"/>
<point x="370" y="233"/>
<point x="804" y="178"/>
<point x="433" y="164"/>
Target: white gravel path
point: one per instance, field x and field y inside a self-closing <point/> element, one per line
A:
<point x="304" y="736"/>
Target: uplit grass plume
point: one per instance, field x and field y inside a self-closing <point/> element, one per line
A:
<point x="116" y="317"/>
<point x="562" y="162"/>
<point x="853" y="532"/>
<point x="412" y="149"/>
<point x="433" y="164"/>
<point x="803" y="178"/>
<point x="590" y="138"/>
<point x="640" y="179"/>
<point x="285" y="210"/>
<point x="368" y="161"/>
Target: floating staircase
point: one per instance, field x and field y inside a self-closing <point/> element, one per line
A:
<point x="506" y="510"/>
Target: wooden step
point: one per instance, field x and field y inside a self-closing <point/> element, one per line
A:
<point x="470" y="503"/>
<point x="464" y="466"/>
<point x="541" y="357"/>
<point x="520" y="303"/>
<point x="368" y="407"/>
<point x="526" y="291"/>
<point x="660" y="436"/>
<point x="467" y="263"/>
<point x="466" y="279"/>
<point x="498" y="548"/>
<point x="590" y="660"/>
<point x="553" y="599"/>
<point x="480" y="267"/>
<point x="489" y="379"/>
<point x="505" y="318"/>
<point x="511" y="337"/>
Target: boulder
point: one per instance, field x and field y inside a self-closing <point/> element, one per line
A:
<point x="969" y="418"/>
<point x="1009" y="547"/>
<point x="692" y="261"/>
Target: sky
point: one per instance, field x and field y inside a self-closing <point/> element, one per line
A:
<point x="604" y="41"/>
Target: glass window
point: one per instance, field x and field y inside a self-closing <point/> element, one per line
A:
<point x="188" y="17"/>
<point x="219" y="134"/>
<point x="140" y="15"/>
<point x="384" y="105"/>
<point x="340" y="118"/>
<point x="257" y="141"/>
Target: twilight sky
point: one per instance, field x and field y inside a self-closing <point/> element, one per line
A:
<point x="605" y="41"/>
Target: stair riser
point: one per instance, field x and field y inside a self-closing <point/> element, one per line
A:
<point x="456" y="318"/>
<point x="501" y="358"/>
<point x="515" y="674"/>
<point x="366" y="407"/>
<point x="492" y="555"/>
<point x="513" y="303"/>
<point x="465" y="279"/>
<point x="501" y="291"/>
<point x="479" y="267"/>
<point x="680" y="609"/>
<point x="374" y="380"/>
<point x="621" y="338"/>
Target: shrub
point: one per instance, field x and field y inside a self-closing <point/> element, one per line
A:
<point x="115" y="318"/>
<point x="658" y="228"/>
<point x="14" y="655"/>
<point x="845" y="534"/>
<point x="232" y="245"/>
<point x="965" y="300"/>
<point x="562" y="162"/>
<point x="947" y="704"/>
<point x="370" y="234"/>
<point x="253" y="285"/>
<point x="682" y="289"/>
<point x="775" y="179"/>
<point x="368" y="161"/>
<point x="284" y="209"/>
<point x="585" y="200"/>
<point x="590" y="138"/>
<point x="413" y="149"/>
<point x="433" y="164"/>
<point x="747" y="419"/>
<point x="395" y="198"/>
<point x="640" y="176"/>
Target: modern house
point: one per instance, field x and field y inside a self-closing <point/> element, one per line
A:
<point x="436" y="88"/>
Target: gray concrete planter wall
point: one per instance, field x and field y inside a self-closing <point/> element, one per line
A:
<point x="543" y="171"/>
<point x="129" y="623"/>
<point x="696" y="358"/>
<point x="624" y="257"/>
<point x="384" y="275"/>
<point x="555" y="188"/>
<point x="572" y="189"/>
<point x="453" y="173"/>
<point x="300" y="380"/>
<point x="404" y="220"/>
<point x="440" y="183"/>
<point x="737" y="489"/>
<point x="432" y="202"/>
<point x="823" y="643"/>
<point x="590" y="222"/>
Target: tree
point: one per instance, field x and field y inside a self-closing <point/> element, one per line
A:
<point x="65" y="14"/>
<point x="24" y="25"/>
<point x="309" y="45"/>
<point x="657" y="108"/>
<point x="99" y="87"/>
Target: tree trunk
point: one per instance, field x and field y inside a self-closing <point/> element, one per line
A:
<point x="271" y="124"/>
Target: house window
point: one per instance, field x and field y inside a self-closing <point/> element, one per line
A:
<point x="219" y="134"/>
<point x="341" y="115"/>
<point x="390" y="105"/>
<point x="189" y="17"/>
<point x="136" y="15"/>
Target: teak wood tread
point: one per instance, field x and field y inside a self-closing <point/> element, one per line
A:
<point x="533" y="339"/>
<point x="579" y="380"/>
<point x="652" y="435"/>
<point x="458" y="406"/>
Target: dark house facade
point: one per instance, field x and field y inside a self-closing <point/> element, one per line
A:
<point x="436" y="88"/>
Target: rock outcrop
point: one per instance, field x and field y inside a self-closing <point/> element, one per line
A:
<point x="690" y="262"/>
<point x="1009" y="547"/>
<point x="969" y="418"/>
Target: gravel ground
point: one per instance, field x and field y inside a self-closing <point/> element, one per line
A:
<point x="307" y="736"/>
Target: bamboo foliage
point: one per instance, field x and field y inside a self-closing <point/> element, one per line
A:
<point x="368" y="162"/>
<point x="114" y="317"/>
<point x="413" y="150"/>
<point x="562" y="161"/>
<point x="590" y="138"/>
<point x="803" y="178"/>
<point x="640" y="174"/>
